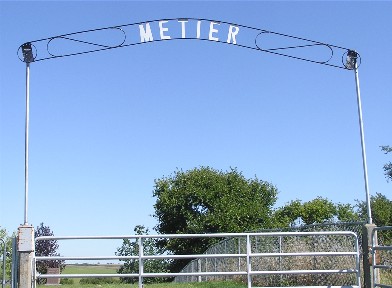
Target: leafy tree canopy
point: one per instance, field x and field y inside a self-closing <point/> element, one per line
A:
<point x="381" y="208"/>
<point x="318" y="210"/>
<point x="387" y="166"/>
<point x="205" y="200"/>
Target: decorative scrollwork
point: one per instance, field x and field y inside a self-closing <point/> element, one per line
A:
<point x="90" y="41"/>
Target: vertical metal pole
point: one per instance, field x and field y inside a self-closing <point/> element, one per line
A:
<point x="199" y="269"/>
<point x="239" y="252"/>
<point x="357" y="259"/>
<point x="141" y="264"/>
<point x="280" y="257"/>
<point x="27" y="142"/>
<point x="248" y="260"/>
<point x="365" y="173"/>
<point x="4" y="258"/>
<point x="14" y="264"/>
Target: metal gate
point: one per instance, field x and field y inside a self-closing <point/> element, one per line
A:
<point x="301" y="256"/>
<point x="382" y="257"/>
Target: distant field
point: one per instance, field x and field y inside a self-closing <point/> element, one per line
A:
<point x="90" y="269"/>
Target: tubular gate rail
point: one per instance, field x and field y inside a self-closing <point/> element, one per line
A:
<point x="3" y="262"/>
<point x="249" y="262"/>
<point x="385" y="262"/>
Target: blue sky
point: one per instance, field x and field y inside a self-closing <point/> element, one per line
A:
<point x="105" y="125"/>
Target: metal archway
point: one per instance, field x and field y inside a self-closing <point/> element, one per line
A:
<point x="260" y="40"/>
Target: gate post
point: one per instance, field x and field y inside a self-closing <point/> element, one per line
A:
<point x="26" y="252"/>
<point x="367" y="243"/>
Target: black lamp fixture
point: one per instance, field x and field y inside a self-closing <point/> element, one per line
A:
<point x="351" y="59"/>
<point x="27" y="51"/>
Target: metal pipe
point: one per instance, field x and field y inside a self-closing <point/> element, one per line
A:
<point x="248" y="263"/>
<point x="141" y="263"/>
<point x="27" y="142"/>
<point x="4" y="258"/>
<point x="365" y="172"/>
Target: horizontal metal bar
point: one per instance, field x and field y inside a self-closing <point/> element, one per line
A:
<point x="303" y="254"/>
<point x="345" y="271"/>
<point x="216" y="235"/>
<point x="383" y="248"/>
<point x="382" y="228"/>
<point x="382" y="285"/>
<point x="47" y="258"/>
<point x="193" y="256"/>
<point x="85" y="275"/>
<point x="143" y="275"/>
<point x="145" y="257"/>
<point x="193" y="274"/>
<point x="383" y="266"/>
<point x="204" y="256"/>
<point x="286" y="272"/>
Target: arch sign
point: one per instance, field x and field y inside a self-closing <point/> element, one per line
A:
<point x="261" y="40"/>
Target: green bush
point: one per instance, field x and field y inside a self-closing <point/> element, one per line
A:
<point x="66" y="281"/>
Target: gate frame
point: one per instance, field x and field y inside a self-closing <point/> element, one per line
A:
<point x="248" y="255"/>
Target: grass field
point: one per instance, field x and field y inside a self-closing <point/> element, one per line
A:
<point x="90" y="269"/>
<point x="112" y="269"/>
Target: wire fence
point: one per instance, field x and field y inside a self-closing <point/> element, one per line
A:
<point x="282" y="246"/>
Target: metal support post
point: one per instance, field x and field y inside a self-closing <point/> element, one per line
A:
<point x="354" y="56"/>
<point x="27" y="143"/>
<point x="26" y="231"/>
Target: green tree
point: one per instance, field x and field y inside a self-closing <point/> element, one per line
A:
<point x="318" y="210"/>
<point x="130" y="247"/>
<point x="381" y="208"/>
<point x="288" y="215"/>
<point x="46" y="248"/>
<point x="388" y="166"/>
<point x="205" y="200"/>
<point x="346" y="213"/>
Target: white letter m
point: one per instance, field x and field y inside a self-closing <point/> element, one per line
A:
<point x="145" y="34"/>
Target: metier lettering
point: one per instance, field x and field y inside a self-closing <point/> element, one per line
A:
<point x="164" y="33"/>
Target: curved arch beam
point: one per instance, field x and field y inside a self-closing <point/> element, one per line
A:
<point x="138" y="33"/>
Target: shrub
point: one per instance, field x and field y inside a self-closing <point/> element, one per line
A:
<point x="66" y="281"/>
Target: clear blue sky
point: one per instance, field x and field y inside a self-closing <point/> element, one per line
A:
<point x="105" y="125"/>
